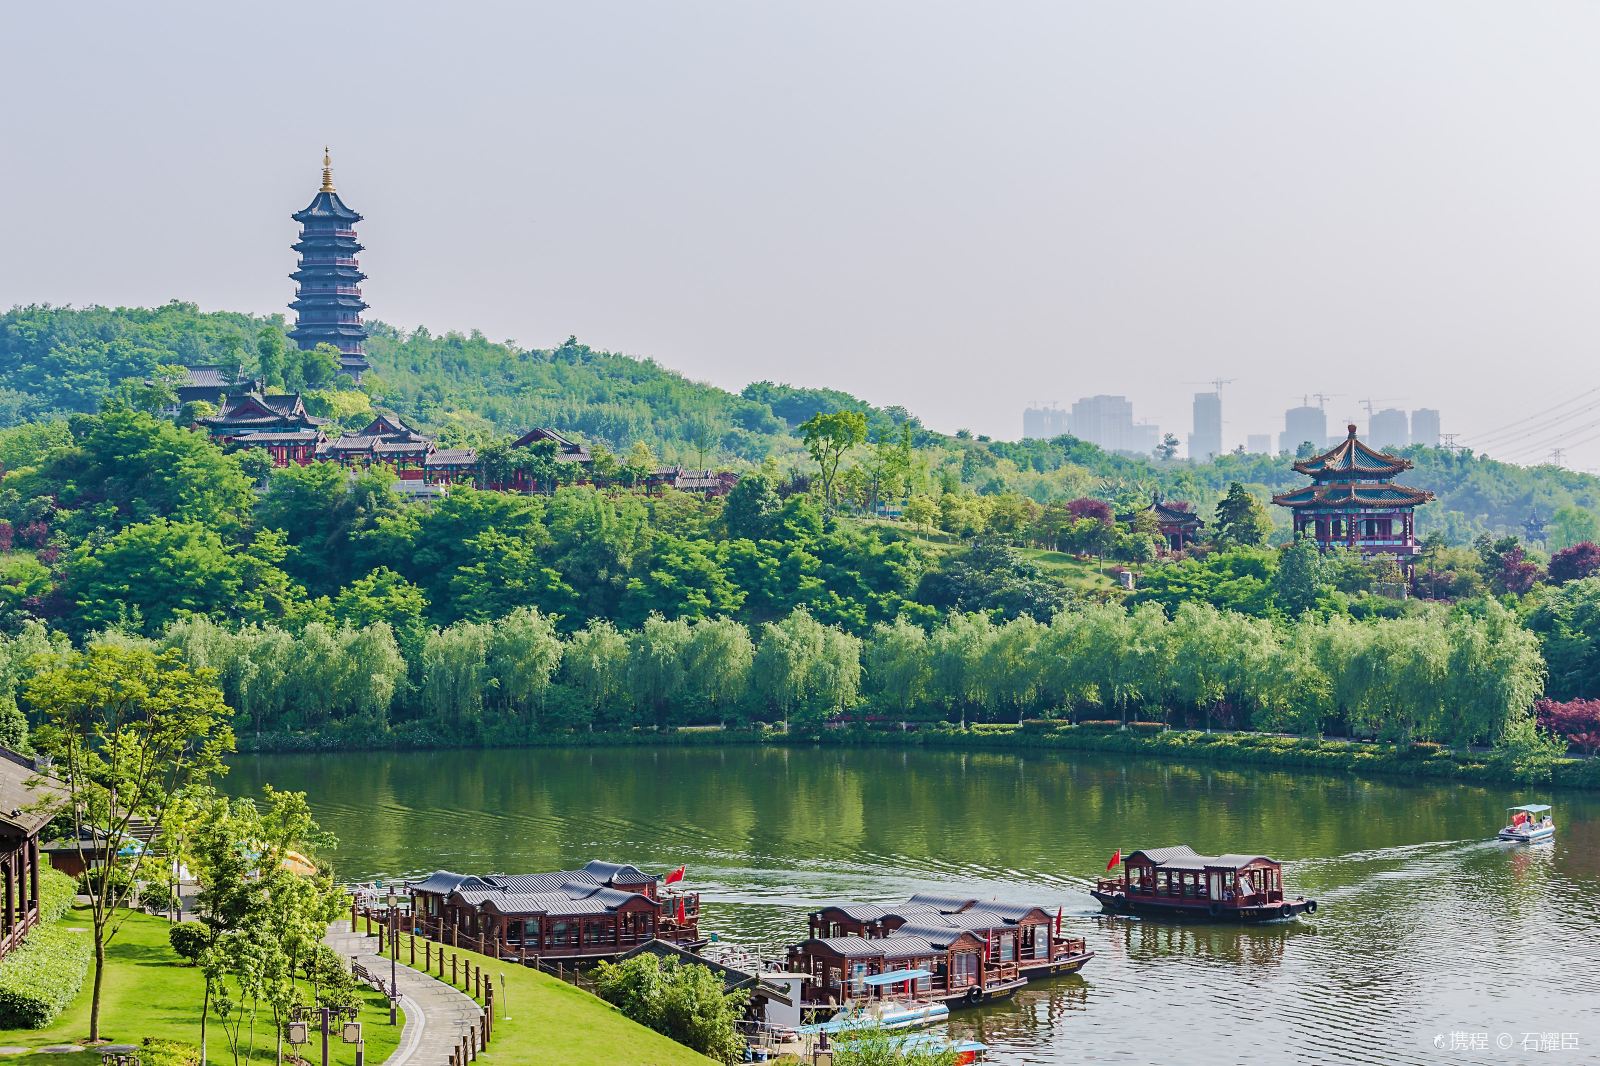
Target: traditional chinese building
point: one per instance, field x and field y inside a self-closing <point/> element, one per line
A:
<point x="327" y="303"/>
<point x="26" y="805"/>
<point x="386" y="440"/>
<point x="1178" y="526"/>
<point x="1352" y="501"/>
<point x="280" y="424"/>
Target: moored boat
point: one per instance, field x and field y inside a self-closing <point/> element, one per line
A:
<point x="1176" y="882"/>
<point x="1529" y="824"/>
<point x="887" y="1013"/>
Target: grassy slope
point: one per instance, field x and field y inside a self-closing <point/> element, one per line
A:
<point x="149" y="991"/>
<point x="543" y="1021"/>
<point x="1069" y="569"/>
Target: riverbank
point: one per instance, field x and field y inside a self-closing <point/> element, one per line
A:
<point x="149" y="992"/>
<point x="1187" y="745"/>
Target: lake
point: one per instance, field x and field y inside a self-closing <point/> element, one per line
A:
<point x="1428" y="933"/>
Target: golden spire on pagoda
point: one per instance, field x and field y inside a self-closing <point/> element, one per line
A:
<point x="327" y="170"/>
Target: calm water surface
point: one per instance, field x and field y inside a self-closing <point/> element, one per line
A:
<point x="1426" y="928"/>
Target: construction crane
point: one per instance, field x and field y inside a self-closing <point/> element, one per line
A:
<point x="1322" y="398"/>
<point x="1382" y="399"/>
<point x="1215" y="383"/>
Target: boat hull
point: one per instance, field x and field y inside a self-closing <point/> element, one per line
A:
<point x="1070" y="964"/>
<point x="1199" y="910"/>
<point x="1537" y="836"/>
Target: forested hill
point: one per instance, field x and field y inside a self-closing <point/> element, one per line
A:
<point x="62" y="360"/>
<point x="468" y="389"/>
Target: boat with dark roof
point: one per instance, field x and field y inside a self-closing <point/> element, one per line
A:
<point x="1176" y="882"/>
<point x="971" y="950"/>
<point x="598" y="912"/>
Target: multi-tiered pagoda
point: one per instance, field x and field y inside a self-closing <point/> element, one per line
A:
<point x="1353" y="503"/>
<point x="328" y="302"/>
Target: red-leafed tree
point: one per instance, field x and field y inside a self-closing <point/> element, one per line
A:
<point x="1089" y="507"/>
<point x="1516" y="574"/>
<point x="1576" y="720"/>
<point x="7" y="536"/>
<point x="1578" y="561"/>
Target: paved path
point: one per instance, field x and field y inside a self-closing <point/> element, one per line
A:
<point x="436" y="1014"/>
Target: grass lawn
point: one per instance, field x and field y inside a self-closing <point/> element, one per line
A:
<point x="149" y="991"/>
<point x="1086" y="574"/>
<point x="544" y="1021"/>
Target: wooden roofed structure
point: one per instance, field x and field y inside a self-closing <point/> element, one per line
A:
<point x="1177" y="881"/>
<point x="597" y="912"/>
<point x="974" y="949"/>
<point x="1177" y="525"/>
<point x="28" y="800"/>
<point x="1353" y="502"/>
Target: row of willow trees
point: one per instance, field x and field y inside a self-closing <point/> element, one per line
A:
<point x="1456" y="676"/>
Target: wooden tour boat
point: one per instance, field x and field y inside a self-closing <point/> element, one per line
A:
<point x="972" y="951"/>
<point x="1529" y="824"/>
<point x="1175" y="882"/>
<point x="890" y="1012"/>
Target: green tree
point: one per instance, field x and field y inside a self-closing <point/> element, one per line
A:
<point x="1298" y="582"/>
<point x="595" y="664"/>
<point x="657" y="671"/>
<point x="128" y="729"/>
<point x="719" y="658"/>
<point x="152" y="574"/>
<point x="683" y="1001"/>
<point x="829" y="438"/>
<point x="1241" y="519"/>
<point x="751" y="509"/>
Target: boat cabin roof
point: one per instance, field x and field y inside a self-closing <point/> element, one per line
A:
<point x="1531" y="808"/>
<point x="894" y="977"/>
<point x="1183" y="857"/>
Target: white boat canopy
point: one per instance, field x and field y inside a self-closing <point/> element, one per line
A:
<point x="894" y="977"/>
<point x="1531" y="808"/>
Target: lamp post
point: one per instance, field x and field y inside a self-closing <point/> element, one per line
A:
<point x="394" y="955"/>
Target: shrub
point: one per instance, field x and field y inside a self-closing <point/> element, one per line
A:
<point x="42" y="975"/>
<point x="1527" y="753"/>
<point x="168" y="1053"/>
<point x="56" y="891"/>
<point x="188" y="940"/>
<point x="686" y="1003"/>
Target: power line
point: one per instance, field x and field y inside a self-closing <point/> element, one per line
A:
<point x="1545" y="442"/>
<point x="1551" y="429"/>
<point x="1498" y="430"/>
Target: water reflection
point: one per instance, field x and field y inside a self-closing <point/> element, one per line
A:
<point x="1426" y="926"/>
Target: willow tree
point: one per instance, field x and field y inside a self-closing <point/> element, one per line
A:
<point x="896" y="655"/>
<point x="719" y="658"/>
<point x="129" y="730"/>
<point x="1495" y="673"/>
<point x="595" y="665"/>
<point x="955" y="655"/>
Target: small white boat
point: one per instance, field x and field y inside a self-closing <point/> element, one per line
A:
<point x="885" y="1012"/>
<point x="1529" y="824"/>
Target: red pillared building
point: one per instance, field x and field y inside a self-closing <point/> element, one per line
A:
<point x="1353" y="502"/>
<point x="1178" y="526"/>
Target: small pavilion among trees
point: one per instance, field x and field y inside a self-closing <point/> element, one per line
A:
<point x="1353" y="502"/>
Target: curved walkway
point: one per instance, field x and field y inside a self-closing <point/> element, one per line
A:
<point x="436" y="1014"/>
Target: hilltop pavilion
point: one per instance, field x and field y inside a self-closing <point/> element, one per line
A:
<point x="1352" y="501"/>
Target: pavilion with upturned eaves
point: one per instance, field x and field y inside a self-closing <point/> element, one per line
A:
<point x="1352" y="501"/>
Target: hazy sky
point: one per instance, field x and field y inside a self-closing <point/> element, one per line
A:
<point x="958" y="207"/>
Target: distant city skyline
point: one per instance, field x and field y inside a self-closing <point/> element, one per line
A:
<point x="1109" y="421"/>
<point x="1295" y="196"/>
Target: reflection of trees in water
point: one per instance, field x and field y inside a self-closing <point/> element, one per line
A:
<point x="1244" y="945"/>
<point x="1036" y="1009"/>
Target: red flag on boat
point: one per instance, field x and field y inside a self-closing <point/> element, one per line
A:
<point x="1116" y="858"/>
<point x="1058" y="921"/>
<point x="682" y="911"/>
<point x="676" y="875"/>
